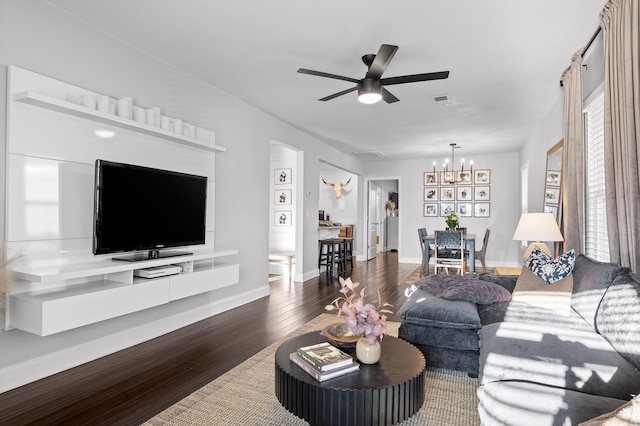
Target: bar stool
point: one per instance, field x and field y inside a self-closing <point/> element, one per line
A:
<point x="331" y="255"/>
<point x="348" y="251"/>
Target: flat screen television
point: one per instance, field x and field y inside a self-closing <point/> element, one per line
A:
<point x="144" y="210"/>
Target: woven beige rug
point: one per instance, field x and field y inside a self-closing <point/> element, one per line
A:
<point x="412" y="278"/>
<point x="245" y="395"/>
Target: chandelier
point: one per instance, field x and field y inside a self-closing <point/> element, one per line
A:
<point x="453" y="176"/>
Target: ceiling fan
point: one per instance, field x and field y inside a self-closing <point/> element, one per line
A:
<point x="370" y="88"/>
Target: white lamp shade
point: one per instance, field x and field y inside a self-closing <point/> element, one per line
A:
<point x="537" y="227"/>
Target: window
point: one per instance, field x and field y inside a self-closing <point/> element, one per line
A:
<point x="524" y="194"/>
<point x="596" y="236"/>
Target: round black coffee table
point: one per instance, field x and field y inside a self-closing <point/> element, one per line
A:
<point x="385" y="393"/>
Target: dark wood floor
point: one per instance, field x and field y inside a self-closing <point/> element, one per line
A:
<point x="133" y="385"/>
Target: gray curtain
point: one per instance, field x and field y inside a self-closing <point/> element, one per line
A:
<point x="620" y="20"/>
<point x="571" y="209"/>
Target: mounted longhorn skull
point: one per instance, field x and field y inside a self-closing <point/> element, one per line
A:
<point x="337" y="187"/>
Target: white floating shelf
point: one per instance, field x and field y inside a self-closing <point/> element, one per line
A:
<point x="43" y="101"/>
<point x="56" y="273"/>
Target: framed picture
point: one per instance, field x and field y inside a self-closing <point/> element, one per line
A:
<point x="551" y="195"/>
<point x="553" y="178"/>
<point x="447" y="193"/>
<point x="464" y="177"/>
<point x="447" y="177"/>
<point x="482" y="176"/>
<point x="431" y="194"/>
<point x="282" y="176"/>
<point x="282" y="218"/>
<point x="482" y="193"/>
<point x="481" y="209"/>
<point x="463" y="193"/>
<point x="282" y="197"/>
<point x="446" y="208"/>
<point x="552" y="209"/>
<point x="430" y="178"/>
<point x="430" y="209"/>
<point x="464" y="209"/>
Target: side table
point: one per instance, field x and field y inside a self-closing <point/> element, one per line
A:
<point x="385" y="393"/>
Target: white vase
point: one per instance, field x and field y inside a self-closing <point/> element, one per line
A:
<point x="368" y="353"/>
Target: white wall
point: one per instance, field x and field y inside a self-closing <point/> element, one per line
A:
<point x="345" y="209"/>
<point x="504" y="215"/>
<point x="42" y="39"/>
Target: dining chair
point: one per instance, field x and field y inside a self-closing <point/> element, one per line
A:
<point x="480" y="254"/>
<point x="449" y="251"/>
<point x="422" y="233"/>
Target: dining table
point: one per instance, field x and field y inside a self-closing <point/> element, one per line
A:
<point x="470" y="245"/>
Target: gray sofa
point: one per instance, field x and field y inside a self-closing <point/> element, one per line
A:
<point x="534" y="366"/>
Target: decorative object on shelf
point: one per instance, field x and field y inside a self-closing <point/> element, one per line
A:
<point x="453" y="177"/>
<point x="363" y="319"/>
<point x="367" y="352"/>
<point x="537" y="227"/>
<point x="188" y="136"/>
<point x="452" y="220"/>
<point x="337" y="187"/>
<point x="391" y="208"/>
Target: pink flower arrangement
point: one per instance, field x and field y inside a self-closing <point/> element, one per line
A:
<point x="363" y="319"/>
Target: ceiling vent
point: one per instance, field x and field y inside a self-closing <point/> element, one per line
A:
<point x="441" y="99"/>
<point x="369" y="155"/>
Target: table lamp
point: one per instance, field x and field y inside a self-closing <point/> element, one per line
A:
<point x="537" y="227"/>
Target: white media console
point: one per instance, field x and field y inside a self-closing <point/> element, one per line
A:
<point x="51" y="150"/>
<point x="57" y="301"/>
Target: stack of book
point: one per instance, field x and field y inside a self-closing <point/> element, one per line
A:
<point x="324" y="361"/>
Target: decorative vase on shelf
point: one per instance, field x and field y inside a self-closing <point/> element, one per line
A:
<point x="368" y="353"/>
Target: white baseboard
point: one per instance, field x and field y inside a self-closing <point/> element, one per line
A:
<point x="34" y="369"/>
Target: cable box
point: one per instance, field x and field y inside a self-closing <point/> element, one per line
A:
<point x="158" y="271"/>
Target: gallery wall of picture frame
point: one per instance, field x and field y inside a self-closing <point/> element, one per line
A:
<point x="469" y="196"/>
<point x="552" y="192"/>
<point x="282" y="197"/>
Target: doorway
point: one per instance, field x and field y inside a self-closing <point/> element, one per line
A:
<point x="383" y="225"/>
<point x="285" y="172"/>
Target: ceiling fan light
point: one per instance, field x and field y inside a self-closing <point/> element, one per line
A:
<point x="369" y="97"/>
<point x="370" y="91"/>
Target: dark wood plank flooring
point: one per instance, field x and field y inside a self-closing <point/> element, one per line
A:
<point x="133" y="385"/>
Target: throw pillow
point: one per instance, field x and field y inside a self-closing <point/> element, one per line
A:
<point x="533" y="290"/>
<point x="456" y="287"/>
<point x="628" y="414"/>
<point x="549" y="269"/>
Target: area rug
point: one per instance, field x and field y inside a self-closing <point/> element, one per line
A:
<point x="245" y="395"/>
<point x="412" y="278"/>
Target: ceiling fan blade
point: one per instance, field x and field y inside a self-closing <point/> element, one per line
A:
<point x="335" y="95"/>
<point x="388" y="97"/>
<point x="380" y="63"/>
<point x="327" y="75"/>
<point x="414" y="78"/>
